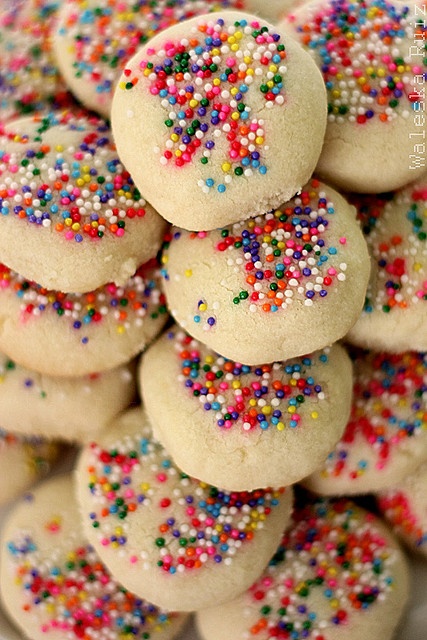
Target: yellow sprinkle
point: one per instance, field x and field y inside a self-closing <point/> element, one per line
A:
<point x="209" y="359"/>
<point x="339" y="76"/>
<point x="233" y="91"/>
<point x="59" y="147"/>
<point x="247" y="59"/>
<point x="174" y="137"/>
<point x="68" y="222"/>
<point x="236" y="384"/>
<point x="203" y="306"/>
<point x="272" y="68"/>
<point x="80" y="182"/>
<point x="188" y="273"/>
<point x="75" y="226"/>
<point x="280" y="245"/>
<point x="215" y="52"/>
<point x="336" y="93"/>
<point x="231" y="39"/>
<point x="121" y="330"/>
<point x="250" y="72"/>
<point x="86" y="178"/>
<point x="238" y="35"/>
<point x="280" y="426"/>
<point x="226" y="166"/>
<point x="208" y="384"/>
<point x="193" y="103"/>
<point x="122" y="85"/>
<point x="381" y="73"/>
<point x="270" y="84"/>
<point x="266" y="410"/>
<point x="145" y="486"/>
<point x="165" y="259"/>
<point x="314" y="415"/>
<point x="293" y="382"/>
<point x="85" y="168"/>
<point x="146" y="73"/>
<point x="252" y="402"/>
<point x="291" y="409"/>
<point x="178" y="153"/>
<point x="334" y="603"/>
<point x="234" y="47"/>
<point x="361" y="80"/>
<point x="216" y="82"/>
<point x="259" y="139"/>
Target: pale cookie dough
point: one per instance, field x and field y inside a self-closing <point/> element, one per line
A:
<point x="53" y="584"/>
<point x="274" y="287"/>
<point x="404" y="507"/>
<point x="394" y="317"/>
<point x="71" y="217"/>
<point x="372" y="57"/>
<point x="337" y="575"/>
<point x="219" y="118"/>
<point x="72" y="409"/>
<point x="95" y="40"/>
<point x="23" y="461"/>
<point x="70" y="334"/>
<point x="172" y="539"/>
<point x="30" y="80"/>
<point x="243" y="427"/>
<point x="386" y="436"/>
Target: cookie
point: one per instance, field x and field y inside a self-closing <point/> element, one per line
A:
<point x="95" y="40"/>
<point x="72" y="409"/>
<point x="372" y="57"/>
<point x="219" y="118"/>
<point x="54" y="584"/>
<point x="30" y="80"/>
<point x="243" y="427"/>
<point x="23" y="461"/>
<point x="337" y="574"/>
<point x="404" y="507"/>
<point x="70" y="335"/>
<point x="291" y="281"/>
<point x="386" y="436"/>
<point x="171" y="538"/>
<point x="72" y="218"/>
<point x="394" y="316"/>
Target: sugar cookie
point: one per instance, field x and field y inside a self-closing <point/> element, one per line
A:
<point x="72" y="409"/>
<point x="95" y="40"/>
<point x="23" y="461"/>
<point x="386" y="436"/>
<point x="29" y="76"/>
<point x="172" y="539"/>
<point x="291" y="281"/>
<point x="78" y="334"/>
<point x="241" y="427"/>
<point x="394" y="317"/>
<point x="72" y="219"/>
<point x="54" y="584"/>
<point x="371" y="54"/>
<point x="219" y="118"/>
<point x="404" y="506"/>
<point x="337" y="575"/>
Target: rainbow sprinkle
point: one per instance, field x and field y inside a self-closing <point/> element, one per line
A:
<point x="78" y="597"/>
<point x="79" y="190"/>
<point x="251" y="398"/>
<point x="204" y="84"/>
<point x="388" y="408"/>
<point x="333" y="555"/>
<point x="397" y="509"/>
<point x="199" y="525"/>
<point x="363" y="51"/>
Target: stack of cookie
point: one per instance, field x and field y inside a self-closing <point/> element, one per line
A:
<point x="209" y="198"/>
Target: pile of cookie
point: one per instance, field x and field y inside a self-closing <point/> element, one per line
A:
<point x="219" y="300"/>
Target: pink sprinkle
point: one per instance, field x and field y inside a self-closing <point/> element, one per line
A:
<point x="343" y="240"/>
<point x="133" y="559"/>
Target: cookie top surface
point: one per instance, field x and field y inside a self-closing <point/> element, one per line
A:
<point x="209" y="102"/>
<point x="283" y="274"/>
<point x="95" y="40"/>
<point x="65" y="196"/>
<point x="386" y="436"/>
<point x="181" y="541"/>
<point x="53" y="582"/>
<point x="335" y="570"/>
<point x="80" y="334"/>
<point x="395" y="228"/>
<point x="371" y="54"/>
<point x="244" y="427"/>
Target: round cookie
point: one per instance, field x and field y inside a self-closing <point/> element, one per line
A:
<point x="54" y="584"/>
<point x="292" y="281"/>
<point x="72" y="218"/>
<point x="386" y="436"/>
<point x="23" y="461"/>
<point x="228" y="115"/>
<point x="72" y="409"/>
<point x="243" y="427"/>
<point x="337" y="575"/>
<point x="394" y="317"/>
<point x="172" y="539"/>
<point x="29" y="76"/>
<point x="95" y="40"/>
<point x="371" y="55"/>
<point x="70" y="335"/>
<point x="404" y="507"/>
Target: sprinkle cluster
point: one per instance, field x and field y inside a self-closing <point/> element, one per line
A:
<point x="362" y="48"/>
<point x="268" y="396"/>
<point x="398" y="510"/>
<point x="29" y="77"/>
<point x="389" y="406"/>
<point x="140" y="300"/>
<point x="198" y="524"/>
<point x="105" y="34"/>
<point x="78" y="597"/>
<point x="401" y="258"/>
<point x="332" y="552"/>
<point x="78" y="189"/>
<point x="40" y="453"/>
<point x="204" y="84"/>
